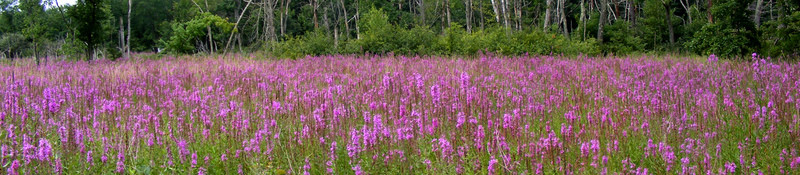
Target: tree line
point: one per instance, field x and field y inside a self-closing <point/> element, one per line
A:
<point x="93" y="29"/>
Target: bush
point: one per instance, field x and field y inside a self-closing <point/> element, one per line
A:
<point x="782" y="37"/>
<point x="620" y="40"/>
<point x="186" y="34"/>
<point x="732" y="33"/>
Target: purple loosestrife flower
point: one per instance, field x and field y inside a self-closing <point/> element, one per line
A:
<point x="194" y="159"/>
<point x="332" y="155"/>
<point x="358" y="170"/>
<point x="45" y="150"/>
<point x="13" y="169"/>
<point x="306" y="167"/>
<point x="479" y="135"/>
<point x="120" y="162"/>
<point x="795" y="163"/>
<point x="445" y="147"/>
<point x="436" y="95"/>
<point x="712" y="58"/>
<point x="731" y="167"/>
<point x="354" y="146"/>
<point x="460" y="120"/>
<point x="491" y="167"/>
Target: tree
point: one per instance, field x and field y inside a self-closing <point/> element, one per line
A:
<point x="128" y="39"/>
<point x="34" y="28"/>
<point x="187" y="36"/>
<point x="602" y="20"/>
<point x="11" y="44"/>
<point x="89" y="16"/>
<point x="732" y="33"/>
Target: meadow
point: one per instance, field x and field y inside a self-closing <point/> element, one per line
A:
<point x="402" y="115"/>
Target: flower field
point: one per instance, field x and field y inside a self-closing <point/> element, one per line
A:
<point x="402" y="115"/>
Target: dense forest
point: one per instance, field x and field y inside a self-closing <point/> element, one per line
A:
<point x="93" y="29"/>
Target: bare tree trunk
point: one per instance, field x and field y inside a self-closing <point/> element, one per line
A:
<point x="687" y="7"/>
<point x="121" y="45"/>
<point x="314" y="7"/>
<point x="128" y="40"/>
<point x="468" y="11"/>
<point x="36" y="52"/>
<point x="326" y="20"/>
<point x="601" y="22"/>
<point x="269" y="20"/>
<point x="480" y="12"/>
<point x="547" y="14"/>
<point x="708" y="12"/>
<point x="632" y="14"/>
<point x="504" y="4"/>
<point x="496" y="11"/>
<point x="358" y="29"/>
<point x="669" y="23"/>
<point x="758" y="12"/>
<point x="422" y="12"/>
<point x="564" y="19"/>
<point x="210" y="40"/>
<point x="583" y="19"/>
<point x="443" y="17"/>
<point x="447" y="12"/>
<point x="236" y="26"/>
<point x="346" y="19"/>
<point x="518" y="4"/>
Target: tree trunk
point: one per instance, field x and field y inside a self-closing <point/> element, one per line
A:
<point x="669" y="24"/>
<point x="346" y="20"/>
<point x="496" y="11"/>
<point x="286" y="16"/>
<point x="632" y="14"/>
<point x="583" y="19"/>
<point x="547" y="17"/>
<point x="687" y="7"/>
<point x="518" y="4"/>
<point x="210" y="40"/>
<point x="121" y="35"/>
<point x="564" y="19"/>
<point x="314" y="12"/>
<point x="235" y="27"/>
<point x="358" y="30"/>
<point x="468" y="11"/>
<point x="504" y="4"/>
<point x="708" y="12"/>
<point x="480" y="12"/>
<point x="601" y="22"/>
<point x="757" y="17"/>
<point x="421" y="9"/>
<point x="443" y="17"/>
<point x="269" y="21"/>
<point x="36" y="52"/>
<point x="128" y="39"/>
<point x="447" y="12"/>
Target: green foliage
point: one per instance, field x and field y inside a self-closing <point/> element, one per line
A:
<point x="11" y="44"/>
<point x="654" y="26"/>
<point x="619" y="39"/>
<point x="312" y="43"/>
<point x="732" y="33"/>
<point x="719" y="40"/>
<point x="782" y="37"/>
<point x="91" y="22"/>
<point x="531" y="42"/>
<point x="376" y="37"/>
<point x="185" y="35"/>
<point x="34" y="28"/>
